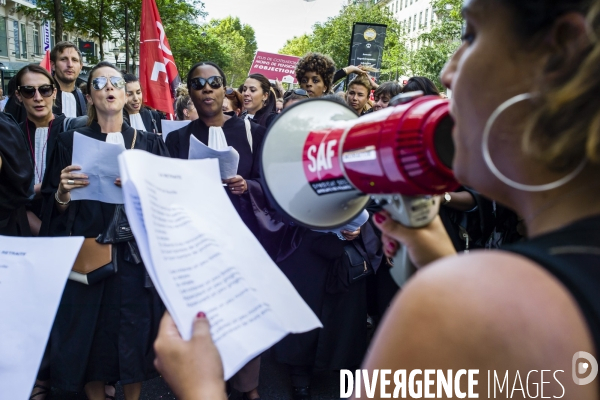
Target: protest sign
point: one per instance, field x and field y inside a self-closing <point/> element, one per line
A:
<point x="275" y="66"/>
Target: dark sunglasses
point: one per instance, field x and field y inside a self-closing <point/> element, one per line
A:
<point x="29" y="91"/>
<point x="100" y="82"/>
<point x="214" y="82"/>
<point x="299" y="92"/>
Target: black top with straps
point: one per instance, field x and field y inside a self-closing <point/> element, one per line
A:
<point x="572" y="255"/>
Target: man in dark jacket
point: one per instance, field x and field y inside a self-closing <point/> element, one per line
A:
<point x="66" y="62"/>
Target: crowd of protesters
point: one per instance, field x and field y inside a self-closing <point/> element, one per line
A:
<point x="104" y="333"/>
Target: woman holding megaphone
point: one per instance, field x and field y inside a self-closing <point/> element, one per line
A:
<point x="530" y="141"/>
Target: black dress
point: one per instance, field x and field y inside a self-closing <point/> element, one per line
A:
<point x="178" y="143"/>
<point x="572" y="255"/>
<point x="102" y="332"/>
<point x="16" y="178"/>
<point x="80" y="101"/>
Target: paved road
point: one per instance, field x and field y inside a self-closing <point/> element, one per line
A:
<point x="274" y="385"/>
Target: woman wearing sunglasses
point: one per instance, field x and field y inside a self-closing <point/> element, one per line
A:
<point x="259" y="100"/>
<point x="102" y="332"/>
<point x="206" y="84"/>
<point x="36" y="92"/>
<point x="139" y="116"/>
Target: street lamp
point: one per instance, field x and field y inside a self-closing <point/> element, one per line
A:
<point x="116" y="52"/>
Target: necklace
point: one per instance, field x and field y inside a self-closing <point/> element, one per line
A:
<point x="38" y="172"/>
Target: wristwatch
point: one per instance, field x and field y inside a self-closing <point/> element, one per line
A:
<point x="447" y="198"/>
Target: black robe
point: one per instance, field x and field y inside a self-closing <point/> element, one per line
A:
<point x="178" y="143"/>
<point x="29" y="128"/>
<point x="342" y="342"/>
<point x="16" y="178"/>
<point x="102" y="332"/>
<point x="80" y="101"/>
<point x="15" y="108"/>
<point x="152" y="119"/>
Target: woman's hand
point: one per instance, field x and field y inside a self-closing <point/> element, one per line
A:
<point x="348" y="235"/>
<point x="353" y="69"/>
<point x="118" y="182"/>
<point x="424" y="245"/>
<point x="70" y="180"/>
<point x="236" y="185"/>
<point x="193" y="369"/>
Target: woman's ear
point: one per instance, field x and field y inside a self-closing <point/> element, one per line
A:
<point x="568" y="41"/>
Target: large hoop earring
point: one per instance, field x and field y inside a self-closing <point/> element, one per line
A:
<point x="506" y="180"/>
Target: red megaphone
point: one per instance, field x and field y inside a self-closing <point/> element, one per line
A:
<point x="321" y="164"/>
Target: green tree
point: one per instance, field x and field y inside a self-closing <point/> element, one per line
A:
<point x="239" y="43"/>
<point x="441" y="42"/>
<point x="297" y="46"/>
<point x="333" y="38"/>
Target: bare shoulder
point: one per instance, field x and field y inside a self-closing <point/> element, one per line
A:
<point x="486" y="310"/>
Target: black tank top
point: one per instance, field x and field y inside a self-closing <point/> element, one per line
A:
<point x="572" y="255"/>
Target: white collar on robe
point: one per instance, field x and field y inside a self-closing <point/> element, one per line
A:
<point x="136" y="121"/>
<point x="69" y="104"/>
<point x="115" y="138"/>
<point x="216" y="138"/>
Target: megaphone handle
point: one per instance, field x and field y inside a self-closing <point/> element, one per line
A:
<point x="413" y="212"/>
<point x="403" y="267"/>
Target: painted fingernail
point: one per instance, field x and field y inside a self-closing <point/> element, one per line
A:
<point x="391" y="246"/>
<point x="200" y="315"/>
<point x="379" y="218"/>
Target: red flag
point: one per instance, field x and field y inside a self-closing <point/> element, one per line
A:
<point x="46" y="62"/>
<point x="158" y="72"/>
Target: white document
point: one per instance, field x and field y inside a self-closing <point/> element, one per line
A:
<point x="33" y="274"/>
<point x="202" y="257"/>
<point x="169" y="126"/>
<point x="99" y="161"/>
<point x="228" y="158"/>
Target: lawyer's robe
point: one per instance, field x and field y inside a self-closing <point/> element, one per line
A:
<point x="102" y="332"/>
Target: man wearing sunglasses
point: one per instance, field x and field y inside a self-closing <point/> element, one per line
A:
<point x="65" y="59"/>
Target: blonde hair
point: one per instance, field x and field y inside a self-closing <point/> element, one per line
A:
<point x="565" y="127"/>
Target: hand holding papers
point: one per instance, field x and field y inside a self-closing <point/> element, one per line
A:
<point x="98" y="160"/>
<point x="202" y="257"/>
<point x="228" y="158"/>
<point x="33" y="274"/>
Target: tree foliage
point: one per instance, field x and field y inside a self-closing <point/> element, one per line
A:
<point x="118" y="21"/>
<point x="333" y="38"/>
<point x="238" y="42"/>
<point x="297" y="46"/>
<point x="403" y="56"/>
<point x="441" y="42"/>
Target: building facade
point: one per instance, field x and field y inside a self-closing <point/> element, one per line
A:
<point x="414" y="16"/>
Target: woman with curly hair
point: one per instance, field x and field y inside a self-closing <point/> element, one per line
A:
<point x="316" y="73"/>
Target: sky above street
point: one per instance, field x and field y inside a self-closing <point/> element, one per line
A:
<point x="274" y="21"/>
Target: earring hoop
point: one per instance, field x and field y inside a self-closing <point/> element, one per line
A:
<point x="506" y="180"/>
